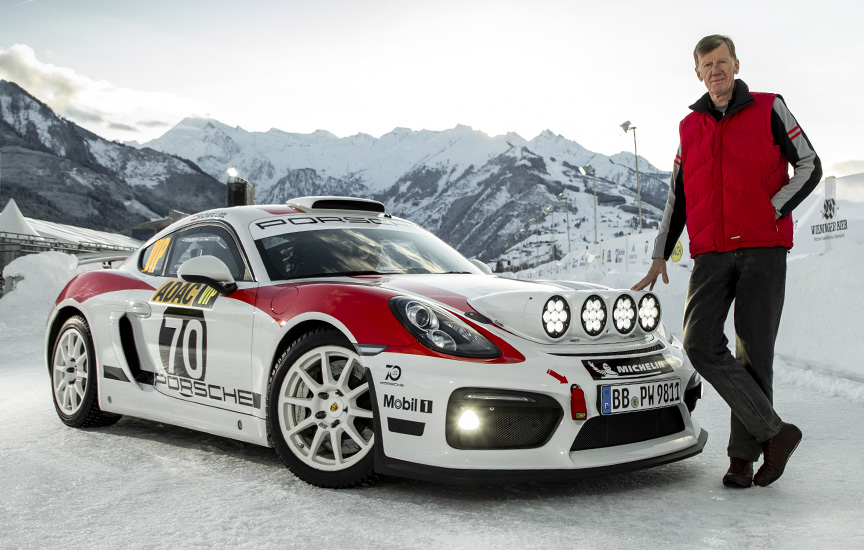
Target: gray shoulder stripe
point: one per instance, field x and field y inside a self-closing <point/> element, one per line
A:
<point x="664" y="233"/>
<point x="800" y="153"/>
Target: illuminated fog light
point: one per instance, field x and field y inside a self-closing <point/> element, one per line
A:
<point x="469" y="420"/>
<point x="624" y="312"/>
<point x="556" y="316"/>
<point x="593" y="315"/>
<point x="649" y="312"/>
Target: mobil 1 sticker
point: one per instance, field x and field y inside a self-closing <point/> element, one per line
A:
<point x="631" y="367"/>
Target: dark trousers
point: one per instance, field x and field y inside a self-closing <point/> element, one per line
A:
<point x="756" y="279"/>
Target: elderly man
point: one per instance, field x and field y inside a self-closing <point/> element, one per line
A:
<point x="730" y="185"/>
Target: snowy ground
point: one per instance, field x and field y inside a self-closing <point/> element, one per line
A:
<point x="148" y="485"/>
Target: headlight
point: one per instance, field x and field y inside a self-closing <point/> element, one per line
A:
<point x="593" y="315"/>
<point x="649" y="312"/>
<point x="556" y="317"/>
<point x="440" y="331"/>
<point x="624" y="313"/>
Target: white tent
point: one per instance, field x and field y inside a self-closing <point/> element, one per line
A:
<point x="16" y="226"/>
<point x="12" y="221"/>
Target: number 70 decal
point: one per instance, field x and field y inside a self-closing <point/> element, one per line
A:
<point x="183" y="343"/>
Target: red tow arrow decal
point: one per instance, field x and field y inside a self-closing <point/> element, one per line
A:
<point x="556" y="376"/>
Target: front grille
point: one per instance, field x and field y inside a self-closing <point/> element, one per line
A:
<point x="621" y="429"/>
<point x="503" y="424"/>
<point x="655" y="347"/>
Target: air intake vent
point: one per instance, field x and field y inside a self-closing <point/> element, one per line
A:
<point x="621" y="429"/>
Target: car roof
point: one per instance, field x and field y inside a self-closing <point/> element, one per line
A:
<point x="241" y="216"/>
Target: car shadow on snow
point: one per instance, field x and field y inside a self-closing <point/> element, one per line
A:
<point x="648" y="480"/>
<point x="184" y="438"/>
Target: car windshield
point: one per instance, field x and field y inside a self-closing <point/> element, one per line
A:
<point x="346" y="252"/>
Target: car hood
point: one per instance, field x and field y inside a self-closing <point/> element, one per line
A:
<point x="516" y="306"/>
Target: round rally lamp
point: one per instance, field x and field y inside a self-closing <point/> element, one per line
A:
<point x="649" y="313"/>
<point x="556" y="317"/>
<point x="624" y="314"/>
<point x="593" y="315"/>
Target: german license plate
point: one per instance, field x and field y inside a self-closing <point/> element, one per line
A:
<point x="621" y="398"/>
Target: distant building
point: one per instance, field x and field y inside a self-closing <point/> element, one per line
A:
<point x="144" y="231"/>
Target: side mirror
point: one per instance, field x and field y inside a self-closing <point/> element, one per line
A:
<point x="483" y="267"/>
<point x="208" y="270"/>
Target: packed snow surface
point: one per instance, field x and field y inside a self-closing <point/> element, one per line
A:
<point x="142" y="484"/>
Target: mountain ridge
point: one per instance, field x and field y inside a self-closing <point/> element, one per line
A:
<point x="58" y="171"/>
<point x="459" y="183"/>
<point x="477" y="192"/>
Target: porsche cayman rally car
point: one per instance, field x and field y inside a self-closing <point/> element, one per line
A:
<point x="356" y="343"/>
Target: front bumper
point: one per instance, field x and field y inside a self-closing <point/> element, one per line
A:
<point x="413" y="397"/>
<point x="460" y="476"/>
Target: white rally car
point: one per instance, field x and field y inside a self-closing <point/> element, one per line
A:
<point x="356" y="343"/>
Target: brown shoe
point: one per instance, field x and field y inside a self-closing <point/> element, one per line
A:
<point x="740" y="473"/>
<point x="776" y="452"/>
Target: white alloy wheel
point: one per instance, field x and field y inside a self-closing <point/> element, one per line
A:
<point x="324" y="409"/>
<point x="74" y="377"/>
<point x="71" y="368"/>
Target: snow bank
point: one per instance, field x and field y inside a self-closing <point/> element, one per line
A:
<point x="25" y="310"/>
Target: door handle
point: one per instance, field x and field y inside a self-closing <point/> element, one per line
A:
<point x="139" y="309"/>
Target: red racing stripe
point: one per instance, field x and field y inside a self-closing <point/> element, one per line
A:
<point x="93" y="283"/>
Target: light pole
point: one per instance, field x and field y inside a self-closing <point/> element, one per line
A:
<point x="240" y="191"/>
<point x="536" y="248"/>
<point x="521" y="250"/>
<point x="561" y="197"/>
<point x="626" y="126"/>
<point x="587" y="169"/>
<point x="546" y="211"/>
<point x="509" y="262"/>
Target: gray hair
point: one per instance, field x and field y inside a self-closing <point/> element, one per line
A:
<point x="711" y="43"/>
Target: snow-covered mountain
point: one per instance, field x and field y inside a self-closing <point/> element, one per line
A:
<point x="60" y="172"/>
<point x="473" y="190"/>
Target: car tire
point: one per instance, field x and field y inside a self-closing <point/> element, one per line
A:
<point x="74" y="377"/>
<point x="320" y="412"/>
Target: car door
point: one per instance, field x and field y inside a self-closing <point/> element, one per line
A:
<point x="197" y="341"/>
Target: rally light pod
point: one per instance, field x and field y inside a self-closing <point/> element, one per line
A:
<point x="649" y="313"/>
<point x="624" y="314"/>
<point x="556" y="317"/>
<point x="593" y="315"/>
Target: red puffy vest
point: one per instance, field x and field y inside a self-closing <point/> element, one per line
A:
<point x="731" y="169"/>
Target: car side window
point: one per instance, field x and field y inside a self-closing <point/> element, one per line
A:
<point x="153" y="257"/>
<point x="205" y="240"/>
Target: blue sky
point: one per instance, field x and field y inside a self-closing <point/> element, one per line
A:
<point x="130" y="70"/>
